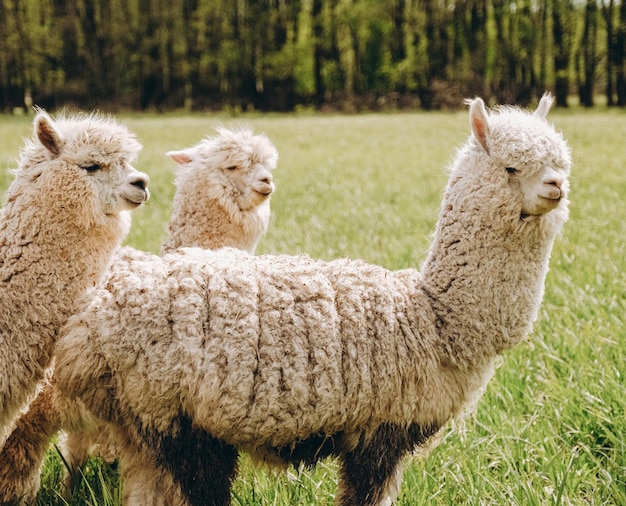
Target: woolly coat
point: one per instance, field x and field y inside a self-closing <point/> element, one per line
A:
<point x="221" y="206"/>
<point x="263" y="352"/>
<point x="214" y="206"/>
<point x="59" y="227"/>
<point x="246" y="340"/>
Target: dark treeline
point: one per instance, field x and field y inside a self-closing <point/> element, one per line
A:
<point x="280" y="54"/>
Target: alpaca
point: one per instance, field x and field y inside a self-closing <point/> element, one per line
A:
<point x="294" y="359"/>
<point x="227" y="205"/>
<point x="224" y="184"/>
<point x="65" y="213"/>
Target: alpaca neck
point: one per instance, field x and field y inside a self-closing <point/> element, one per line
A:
<point x="45" y="266"/>
<point x="50" y="264"/>
<point x="214" y="225"/>
<point x="485" y="280"/>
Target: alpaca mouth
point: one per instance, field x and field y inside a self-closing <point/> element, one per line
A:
<point x="265" y="190"/>
<point x="554" y="194"/>
<point x="546" y="206"/>
<point x="551" y="203"/>
<point x="136" y="201"/>
<point x="132" y="204"/>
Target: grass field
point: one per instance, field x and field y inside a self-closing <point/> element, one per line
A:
<point x="551" y="428"/>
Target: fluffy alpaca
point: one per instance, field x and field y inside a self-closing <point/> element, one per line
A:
<point x="222" y="199"/>
<point x="227" y="205"/>
<point x="65" y="213"/>
<point x="294" y="359"/>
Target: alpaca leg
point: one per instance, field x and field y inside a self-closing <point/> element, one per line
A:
<point x="75" y="448"/>
<point x="202" y="465"/>
<point x="371" y="474"/>
<point x="21" y="459"/>
<point x="22" y="453"/>
<point x="145" y="482"/>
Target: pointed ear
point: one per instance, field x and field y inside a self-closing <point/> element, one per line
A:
<point x="544" y="105"/>
<point x="47" y="134"/>
<point x="479" y="122"/>
<point x="180" y="157"/>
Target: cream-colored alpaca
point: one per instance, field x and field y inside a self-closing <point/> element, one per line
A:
<point x="64" y="215"/>
<point x="194" y="358"/>
<point x="224" y="185"/>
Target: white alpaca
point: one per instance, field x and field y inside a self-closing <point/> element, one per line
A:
<point x="225" y="203"/>
<point x="64" y="215"/>
<point x="194" y="357"/>
<point x="224" y="185"/>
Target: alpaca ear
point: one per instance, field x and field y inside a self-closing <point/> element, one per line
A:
<point x="544" y="105"/>
<point x="180" y="157"/>
<point x="47" y="134"/>
<point x="479" y="122"/>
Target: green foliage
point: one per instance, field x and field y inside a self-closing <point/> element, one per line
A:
<point x="351" y="54"/>
<point x="550" y="428"/>
<point x="97" y="483"/>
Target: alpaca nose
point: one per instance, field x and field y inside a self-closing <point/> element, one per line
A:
<point x="553" y="183"/>
<point x="554" y="180"/>
<point x="266" y="178"/>
<point x="140" y="180"/>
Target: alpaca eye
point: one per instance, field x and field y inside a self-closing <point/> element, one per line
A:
<point x="511" y="170"/>
<point x="91" y="168"/>
<point x="232" y="167"/>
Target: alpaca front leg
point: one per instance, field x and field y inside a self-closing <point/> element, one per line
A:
<point x="201" y="464"/>
<point x="75" y="452"/>
<point x="371" y="473"/>
<point x="21" y="460"/>
<point x="146" y="482"/>
<point x="364" y="487"/>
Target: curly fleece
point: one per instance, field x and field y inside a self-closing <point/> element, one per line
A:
<point x="263" y="353"/>
<point x="59" y="227"/>
<point x="214" y="206"/>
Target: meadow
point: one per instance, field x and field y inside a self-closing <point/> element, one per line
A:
<point x="550" y="429"/>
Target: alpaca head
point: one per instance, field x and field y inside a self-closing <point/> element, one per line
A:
<point x="238" y="161"/>
<point x="86" y="161"/>
<point x="524" y="159"/>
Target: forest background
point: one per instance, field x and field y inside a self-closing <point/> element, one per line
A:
<point x="283" y="55"/>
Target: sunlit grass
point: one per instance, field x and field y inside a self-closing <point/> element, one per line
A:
<point x="551" y="427"/>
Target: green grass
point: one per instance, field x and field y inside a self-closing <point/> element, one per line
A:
<point x="551" y="428"/>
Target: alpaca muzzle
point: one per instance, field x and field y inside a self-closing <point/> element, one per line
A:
<point x="137" y="192"/>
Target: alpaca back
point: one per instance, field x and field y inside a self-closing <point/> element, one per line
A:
<point x="320" y="334"/>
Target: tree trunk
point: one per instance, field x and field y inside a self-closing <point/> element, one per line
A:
<point x="561" y="36"/>
<point x="620" y="57"/>
<point x="588" y="54"/>
<point x="607" y="11"/>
